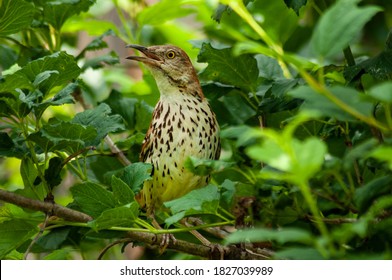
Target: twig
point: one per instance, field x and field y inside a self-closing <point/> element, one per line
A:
<point x="208" y="252"/>
<point x="46" y="207"/>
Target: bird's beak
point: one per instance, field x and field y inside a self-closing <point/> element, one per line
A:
<point x="149" y="58"/>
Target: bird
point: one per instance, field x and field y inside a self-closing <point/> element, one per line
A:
<point x="183" y="125"/>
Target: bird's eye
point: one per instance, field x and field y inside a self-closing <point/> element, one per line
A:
<point x="171" y="54"/>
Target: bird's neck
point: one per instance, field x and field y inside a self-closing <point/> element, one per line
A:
<point x="170" y="90"/>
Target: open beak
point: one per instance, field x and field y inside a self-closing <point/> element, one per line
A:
<point x="148" y="58"/>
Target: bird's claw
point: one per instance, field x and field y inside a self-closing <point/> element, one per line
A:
<point x="217" y="251"/>
<point x="166" y="238"/>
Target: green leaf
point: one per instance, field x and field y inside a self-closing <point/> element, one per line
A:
<point x="203" y="167"/>
<point x="45" y="72"/>
<point x="321" y="104"/>
<point x="383" y="153"/>
<point x="382" y="92"/>
<point x="29" y="174"/>
<point x="271" y="153"/>
<point x="296" y="5"/>
<point x="119" y="216"/>
<point x="239" y="71"/>
<point x="101" y="120"/>
<point x="8" y="148"/>
<point x="163" y="11"/>
<point x="135" y="174"/>
<point x="365" y="195"/>
<point x="282" y="236"/>
<point x="101" y="61"/>
<point x="98" y="43"/>
<point x="121" y="191"/>
<point x="61" y="254"/>
<point x="57" y="12"/>
<point x="309" y="155"/>
<point x="266" y="12"/>
<point x="124" y="106"/>
<point x="298" y="253"/>
<point x="64" y="96"/>
<point x="8" y="56"/>
<point x="15" y="15"/>
<point x="358" y="152"/>
<point x="269" y="67"/>
<point x="200" y="201"/>
<point x="13" y="234"/>
<point x="339" y="25"/>
<point x="53" y="240"/>
<point x="228" y="192"/>
<point x="92" y="198"/>
<point x="143" y="116"/>
<point x="238" y="109"/>
<point x="71" y="137"/>
<point x="380" y="67"/>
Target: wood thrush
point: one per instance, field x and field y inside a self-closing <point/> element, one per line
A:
<point x="182" y="125"/>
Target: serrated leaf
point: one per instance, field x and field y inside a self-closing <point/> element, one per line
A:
<point x="29" y="174"/>
<point x="64" y="96"/>
<point x="15" y="15"/>
<point x="100" y="119"/>
<point x="13" y="234"/>
<point x="200" y="201"/>
<point x="98" y="43"/>
<point x="238" y="109"/>
<point x="320" y="103"/>
<point x="92" y="198"/>
<point x="203" y="167"/>
<point x="41" y="77"/>
<point x="269" y="67"/>
<point x="380" y="67"/>
<point x="228" y="191"/>
<point x="66" y="136"/>
<point x="135" y="174"/>
<point x="121" y="191"/>
<point x="123" y="106"/>
<point x="53" y="70"/>
<point x="8" y="148"/>
<point x="120" y="216"/>
<point x="335" y="29"/>
<point x="101" y="61"/>
<point x="57" y="12"/>
<point x="60" y="62"/>
<point x="281" y="236"/>
<point x="239" y="71"/>
<point x="53" y="240"/>
<point x="296" y="5"/>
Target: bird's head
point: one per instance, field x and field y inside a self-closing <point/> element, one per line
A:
<point x="167" y="62"/>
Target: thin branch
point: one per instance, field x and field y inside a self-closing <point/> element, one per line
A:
<point x="46" y="207"/>
<point x="208" y="252"/>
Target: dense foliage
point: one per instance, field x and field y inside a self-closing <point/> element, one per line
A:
<point x="302" y="94"/>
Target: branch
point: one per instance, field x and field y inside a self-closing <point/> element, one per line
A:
<point x="208" y="252"/>
<point x="46" y="207"/>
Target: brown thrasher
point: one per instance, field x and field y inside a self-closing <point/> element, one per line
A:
<point x="182" y="125"/>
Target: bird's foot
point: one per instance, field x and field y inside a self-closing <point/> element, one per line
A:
<point x="164" y="240"/>
<point x="217" y="251"/>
